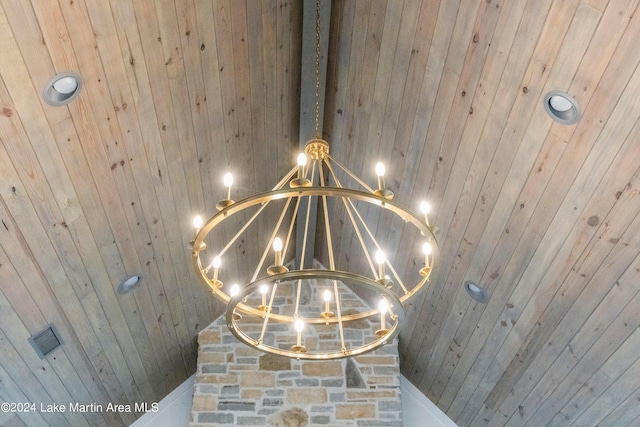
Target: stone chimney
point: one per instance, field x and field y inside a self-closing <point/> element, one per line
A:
<point x="236" y="385"/>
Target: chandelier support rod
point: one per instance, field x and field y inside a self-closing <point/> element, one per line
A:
<point x="375" y="242"/>
<point x="332" y="264"/>
<point x="356" y="228"/>
<point x="268" y="312"/>
<point x="271" y="239"/>
<point x="351" y="174"/>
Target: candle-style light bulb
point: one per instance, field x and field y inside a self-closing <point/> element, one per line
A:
<point x="216" y="262"/>
<point x="326" y="295"/>
<point x="235" y="290"/>
<point x="228" y="182"/>
<point x="197" y="223"/>
<point x="299" y="325"/>
<point x="302" y="162"/>
<point x="277" y="247"/>
<point x="380" y="170"/>
<point x="427" y="250"/>
<point x="216" y="265"/>
<point x="425" y="208"/>
<point x="383" y="306"/>
<point x="380" y="260"/>
<point x="277" y="267"/>
<point x="327" y="299"/>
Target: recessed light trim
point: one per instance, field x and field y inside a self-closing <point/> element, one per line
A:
<point x="62" y="89"/>
<point x="129" y="284"/>
<point x="476" y="292"/>
<point x="561" y="107"/>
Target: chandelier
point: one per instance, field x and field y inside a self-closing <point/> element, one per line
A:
<point x="314" y="312"/>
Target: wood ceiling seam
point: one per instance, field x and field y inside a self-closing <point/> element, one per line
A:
<point x="564" y="69"/>
<point x="393" y="144"/>
<point x="210" y="159"/>
<point x="624" y="371"/>
<point x="522" y="229"/>
<point x="30" y="313"/>
<point x="338" y="123"/>
<point x="177" y="138"/>
<point x="142" y="297"/>
<point x="490" y="80"/>
<point x="212" y="162"/>
<point x="630" y="61"/>
<point x="363" y="99"/>
<point x="619" y="204"/>
<point x="146" y="146"/>
<point x="484" y="25"/>
<point x="69" y="326"/>
<point x="626" y="413"/>
<point x="413" y="152"/>
<point x="224" y="44"/>
<point x="139" y="155"/>
<point x="270" y="83"/>
<point x="442" y="81"/>
<point x="469" y="78"/>
<point x="601" y="49"/>
<point x="61" y="185"/>
<point x="335" y="99"/>
<point x="363" y="152"/>
<point x="97" y="166"/>
<point x="12" y="392"/>
<point x="544" y="51"/>
<point x="456" y="35"/>
<point x="197" y="133"/>
<point x="591" y="66"/>
<point x="243" y="153"/>
<point x="603" y="345"/>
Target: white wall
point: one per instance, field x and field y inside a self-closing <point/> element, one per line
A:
<point x="174" y="410"/>
<point x="418" y="411"/>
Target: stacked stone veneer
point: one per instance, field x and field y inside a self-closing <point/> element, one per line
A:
<point x="237" y="385"/>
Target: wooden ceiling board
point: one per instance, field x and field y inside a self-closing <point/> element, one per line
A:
<point x="448" y="93"/>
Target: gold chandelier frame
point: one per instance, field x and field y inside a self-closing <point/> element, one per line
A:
<point x="296" y="188"/>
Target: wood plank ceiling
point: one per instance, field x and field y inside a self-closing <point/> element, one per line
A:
<point x="449" y="92"/>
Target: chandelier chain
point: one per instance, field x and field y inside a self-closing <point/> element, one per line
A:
<point x="317" y="74"/>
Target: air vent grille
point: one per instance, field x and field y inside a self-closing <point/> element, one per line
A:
<point x="45" y="341"/>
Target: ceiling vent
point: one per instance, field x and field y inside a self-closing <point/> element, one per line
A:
<point x="44" y="342"/>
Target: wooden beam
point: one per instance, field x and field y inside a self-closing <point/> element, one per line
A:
<point x="308" y="104"/>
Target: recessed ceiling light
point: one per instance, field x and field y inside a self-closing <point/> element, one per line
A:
<point x="62" y="89"/>
<point x="129" y="284"/>
<point x="562" y="107"/>
<point x="476" y="292"/>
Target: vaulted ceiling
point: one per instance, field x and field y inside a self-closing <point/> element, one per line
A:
<point x="449" y="93"/>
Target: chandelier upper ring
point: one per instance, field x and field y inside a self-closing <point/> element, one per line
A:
<point x="284" y="193"/>
<point x="266" y="197"/>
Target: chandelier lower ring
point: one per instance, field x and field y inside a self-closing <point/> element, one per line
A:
<point x="241" y="308"/>
<point x="236" y="306"/>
